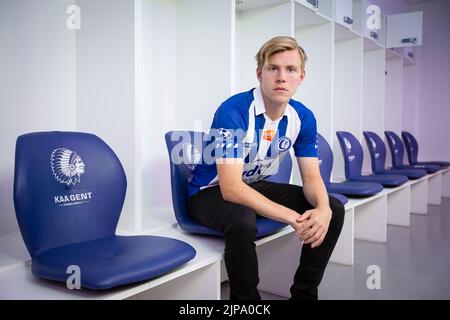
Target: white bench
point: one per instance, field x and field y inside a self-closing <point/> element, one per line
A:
<point x="201" y="277"/>
<point x="367" y="218"/>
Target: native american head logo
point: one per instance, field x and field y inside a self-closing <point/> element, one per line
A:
<point x="67" y="166"/>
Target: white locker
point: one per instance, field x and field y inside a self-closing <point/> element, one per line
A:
<point x="344" y="13"/>
<point x="312" y="4"/>
<point x="404" y="30"/>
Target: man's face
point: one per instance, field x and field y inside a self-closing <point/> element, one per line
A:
<point x="281" y="76"/>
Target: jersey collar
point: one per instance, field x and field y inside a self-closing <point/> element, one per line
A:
<point x="260" y="108"/>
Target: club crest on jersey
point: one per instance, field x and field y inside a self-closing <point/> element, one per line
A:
<point x="283" y="144"/>
<point x="67" y="166"/>
<point x="268" y="135"/>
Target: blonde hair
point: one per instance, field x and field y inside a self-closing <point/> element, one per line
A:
<point x="276" y="45"/>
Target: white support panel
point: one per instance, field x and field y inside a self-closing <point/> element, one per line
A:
<point x="204" y="49"/>
<point x="435" y="188"/>
<point x="344" y="251"/>
<point x="256" y="23"/>
<point x="371" y="220"/>
<point x="409" y="113"/>
<point x="201" y="284"/>
<point x="316" y="91"/>
<point x="258" y="243"/>
<point x="373" y="98"/>
<point x="446" y="183"/>
<point x="399" y="206"/>
<point x="419" y="195"/>
<point x="278" y="262"/>
<point x="404" y="29"/>
<point x="393" y="98"/>
<point x="13" y="253"/>
<point x="394" y="94"/>
<point x="344" y="13"/>
<point x="105" y="90"/>
<point x="348" y="83"/>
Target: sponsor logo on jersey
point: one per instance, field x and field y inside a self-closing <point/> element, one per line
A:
<point x="225" y="133"/>
<point x="268" y="135"/>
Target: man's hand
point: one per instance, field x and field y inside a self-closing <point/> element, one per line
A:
<point x="313" y="226"/>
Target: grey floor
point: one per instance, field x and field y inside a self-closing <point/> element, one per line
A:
<point x="413" y="264"/>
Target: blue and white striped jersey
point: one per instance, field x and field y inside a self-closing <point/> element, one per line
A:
<point x="241" y="129"/>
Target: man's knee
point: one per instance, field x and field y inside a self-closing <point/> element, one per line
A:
<point x="242" y="224"/>
<point x="338" y="209"/>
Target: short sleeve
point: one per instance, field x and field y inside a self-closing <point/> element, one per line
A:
<point x="306" y="144"/>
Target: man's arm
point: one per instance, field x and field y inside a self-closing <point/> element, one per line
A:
<point x="314" y="222"/>
<point x="233" y="189"/>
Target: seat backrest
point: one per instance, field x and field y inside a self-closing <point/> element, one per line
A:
<point x="412" y="147"/>
<point x="185" y="150"/>
<point x="325" y="155"/>
<point x="396" y="147"/>
<point x="69" y="187"/>
<point x="377" y="150"/>
<point x="352" y="152"/>
<point x="185" y="153"/>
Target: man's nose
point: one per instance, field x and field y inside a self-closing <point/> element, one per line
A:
<point x="281" y="76"/>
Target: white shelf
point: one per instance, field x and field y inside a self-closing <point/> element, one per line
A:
<point x="343" y="33"/>
<point x="246" y="5"/>
<point x="305" y="17"/>
<point x="392" y="54"/>
<point x="13" y="253"/>
<point x="370" y="44"/>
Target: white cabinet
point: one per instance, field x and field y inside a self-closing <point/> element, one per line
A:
<point x="312" y="4"/>
<point x="404" y="30"/>
<point x="373" y="23"/>
<point x="344" y="13"/>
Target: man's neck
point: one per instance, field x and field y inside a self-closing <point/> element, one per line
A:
<point x="274" y="111"/>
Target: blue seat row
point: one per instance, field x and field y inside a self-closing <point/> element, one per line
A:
<point x="66" y="223"/>
<point x="356" y="183"/>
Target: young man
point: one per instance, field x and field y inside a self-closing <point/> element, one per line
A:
<point x="257" y="128"/>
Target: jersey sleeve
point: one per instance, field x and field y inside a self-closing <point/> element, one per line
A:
<point x="228" y="131"/>
<point x="306" y="144"/>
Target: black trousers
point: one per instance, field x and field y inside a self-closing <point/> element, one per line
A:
<point x="238" y="224"/>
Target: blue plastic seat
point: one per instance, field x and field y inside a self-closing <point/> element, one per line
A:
<point x="412" y="150"/>
<point x="185" y="153"/>
<point x="377" y="151"/>
<point x="397" y="152"/>
<point x="347" y="188"/>
<point x="69" y="189"/>
<point x="353" y="160"/>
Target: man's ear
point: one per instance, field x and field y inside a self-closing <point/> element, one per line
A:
<point x="302" y="76"/>
<point x="259" y="74"/>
